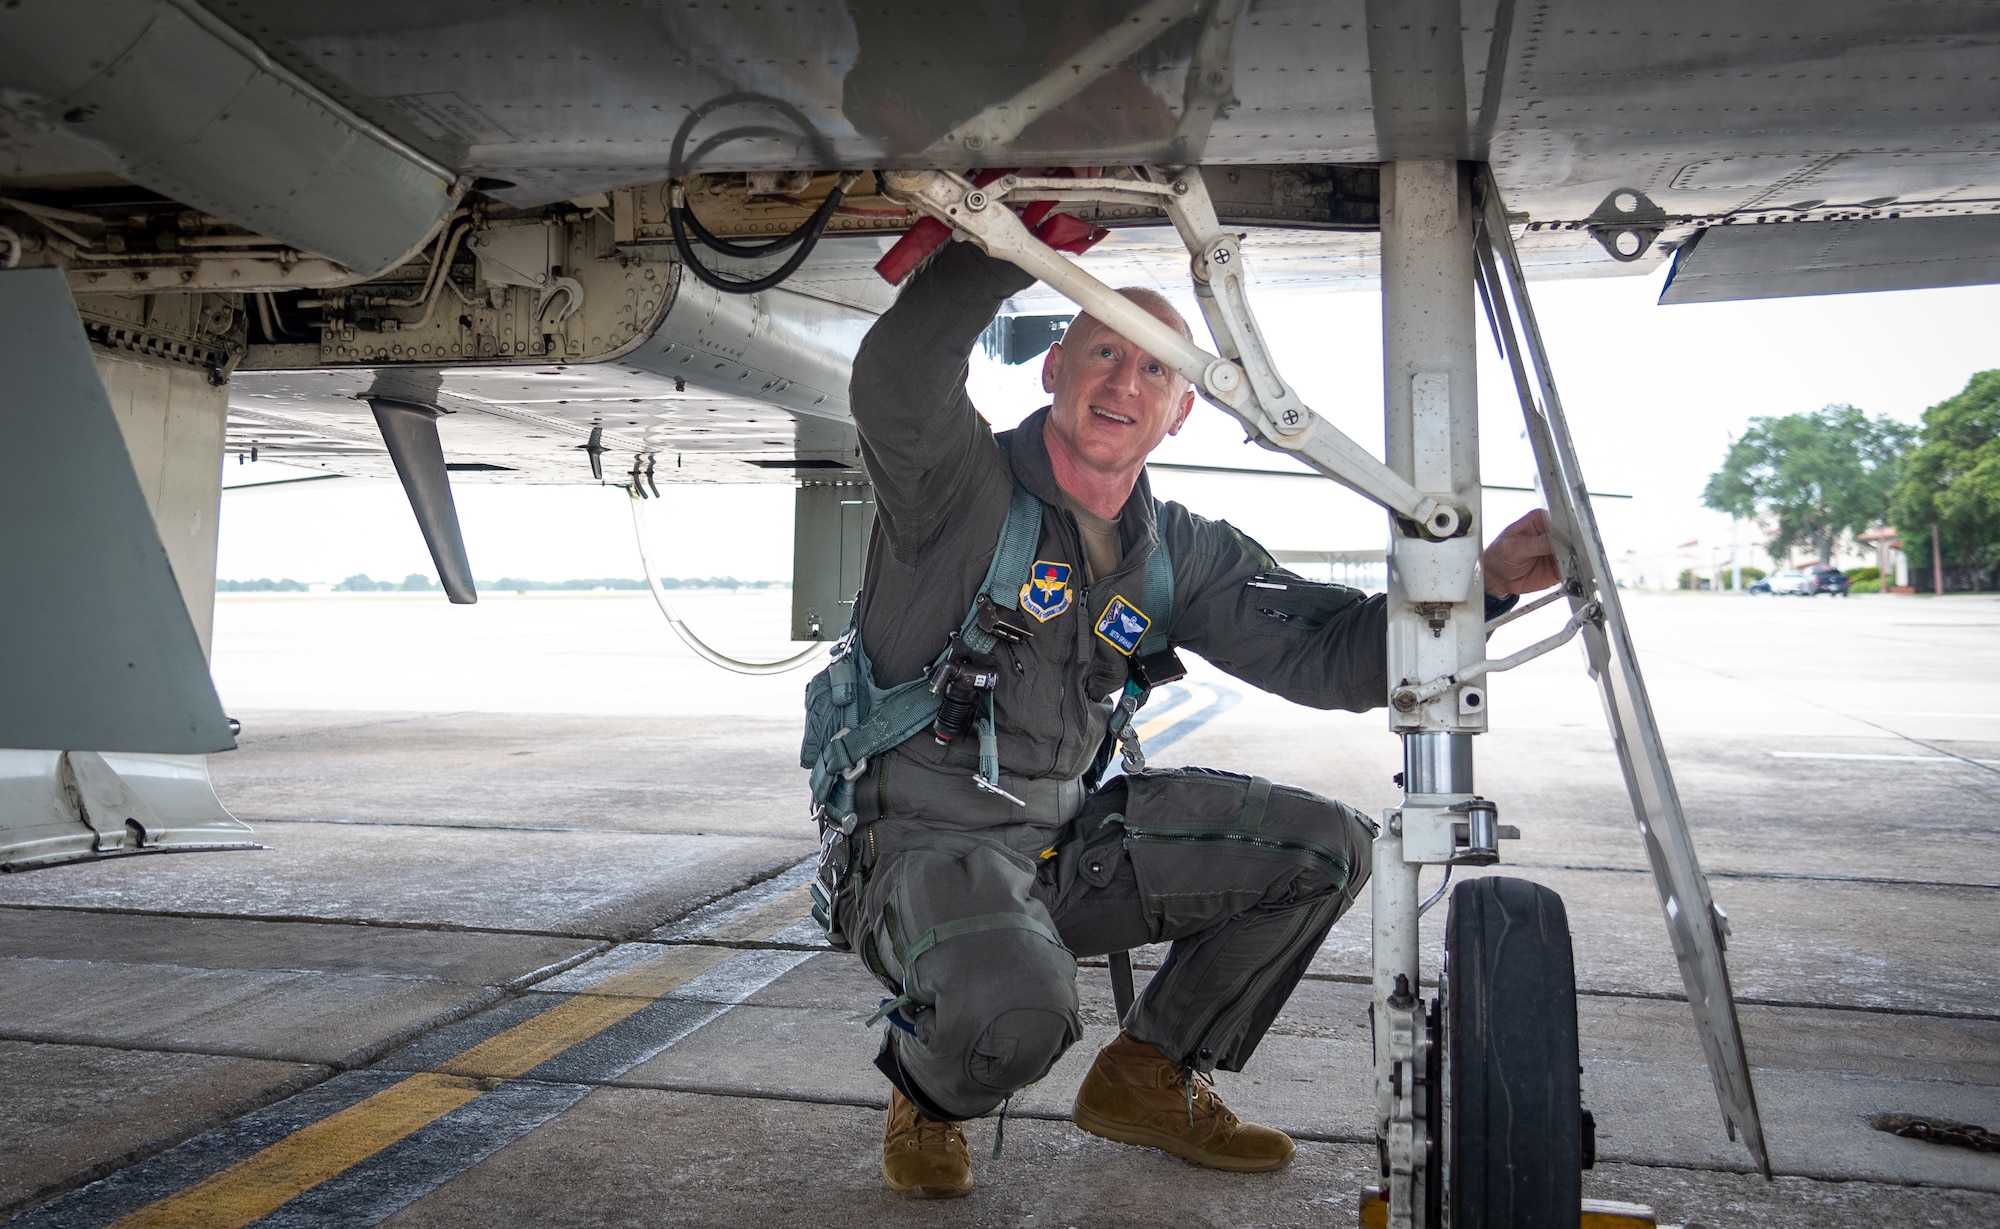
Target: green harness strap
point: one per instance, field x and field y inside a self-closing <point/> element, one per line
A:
<point x="872" y="720"/>
<point x="1159" y="608"/>
<point x="1014" y="556"/>
<point x="1159" y="594"/>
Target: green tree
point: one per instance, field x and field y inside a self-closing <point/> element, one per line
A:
<point x="1817" y="476"/>
<point x="1952" y="480"/>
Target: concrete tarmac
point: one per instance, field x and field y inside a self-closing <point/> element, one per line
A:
<point x="501" y="963"/>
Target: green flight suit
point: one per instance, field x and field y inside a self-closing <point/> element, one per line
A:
<point x="960" y="910"/>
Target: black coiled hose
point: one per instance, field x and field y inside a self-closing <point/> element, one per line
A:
<point x="806" y="236"/>
<point x="683" y="222"/>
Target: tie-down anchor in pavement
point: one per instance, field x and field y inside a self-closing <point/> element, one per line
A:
<point x="1479" y="1117"/>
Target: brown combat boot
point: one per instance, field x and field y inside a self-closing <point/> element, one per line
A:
<point x="1136" y="1095"/>
<point x="922" y="1158"/>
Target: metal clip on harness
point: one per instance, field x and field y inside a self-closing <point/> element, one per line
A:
<point x="1241" y="380"/>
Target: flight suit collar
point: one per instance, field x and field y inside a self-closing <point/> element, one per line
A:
<point x="1028" y="454"/>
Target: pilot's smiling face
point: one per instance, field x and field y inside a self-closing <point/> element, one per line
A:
<point x="1114" y="402"/>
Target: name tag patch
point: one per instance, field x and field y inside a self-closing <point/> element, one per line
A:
<point x="1122" y="625"/>
<point x="1047" y="593"/>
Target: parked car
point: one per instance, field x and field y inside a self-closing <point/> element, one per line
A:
<point x="1791" y="582"/>
<point x="1826" y="578"/>
<point x="1760" y="585"/>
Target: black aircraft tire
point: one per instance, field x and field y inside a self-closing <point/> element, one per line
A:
<point x="1515" y="1148"/>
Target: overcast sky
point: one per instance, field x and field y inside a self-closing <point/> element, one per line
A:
<point x="1654" y="396"/>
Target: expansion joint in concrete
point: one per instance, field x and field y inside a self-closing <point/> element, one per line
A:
<point x="154" y="1147"/>
<point x="1779" y="876"/>
<point x="307" y="919"/>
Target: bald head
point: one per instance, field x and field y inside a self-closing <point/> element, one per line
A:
<point x="1113" y="403"/>
<point x="1155" y="303"/>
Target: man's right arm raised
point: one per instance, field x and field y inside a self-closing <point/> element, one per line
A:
<point x="921" y="439"/>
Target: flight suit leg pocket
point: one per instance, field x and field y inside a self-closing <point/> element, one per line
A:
<point x="1206" y="845"/>
<point x="1094" y="897"/>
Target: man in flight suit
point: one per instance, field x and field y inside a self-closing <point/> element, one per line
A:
<point x="971" y="906"/>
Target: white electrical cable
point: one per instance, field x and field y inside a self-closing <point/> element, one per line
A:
<point x="687" y="634"/>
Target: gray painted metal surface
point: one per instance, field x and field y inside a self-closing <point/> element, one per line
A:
<point x="1695" y="924"/>
<point x="68" y="806"/>
<point x="716" y="388"/>
<point x="1835" y="119"/>
<point x="171" y="98"/>
<point x="409" y="430"/>
<point x="1840" y="257"/>
<point x="1706" y="105"/>
<point x="832" y="521"/>
<point x="337" y="128"/>
<point x="99" y="651"/>
<point x="791" y="350"/>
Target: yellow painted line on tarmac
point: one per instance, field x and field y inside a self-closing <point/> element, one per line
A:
<point x="1199" y="698"/>
<point x="533" y="1042"/>
<point x="255" y="1187"/>
<point x="766" y="920"/>
<point x="260" y="1184"/>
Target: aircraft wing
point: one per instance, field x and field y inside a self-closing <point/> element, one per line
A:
<point x="270" y="225"/>
<point x="349" y="132"/>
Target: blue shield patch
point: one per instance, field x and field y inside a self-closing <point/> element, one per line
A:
<point x="1047" y="593"/>
<point x="1122" y="625"/>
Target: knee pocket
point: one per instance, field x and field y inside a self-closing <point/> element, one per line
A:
<point x="1020" y="1046"/>
<point x="991" y="988"/>
<point x="1007" y="1001"/>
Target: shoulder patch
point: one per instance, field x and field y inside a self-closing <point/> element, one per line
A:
<point x="1122" y="625"/>
<point x="1047" y="593"/>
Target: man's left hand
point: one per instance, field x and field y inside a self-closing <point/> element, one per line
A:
<point x="1522" y="559"/>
